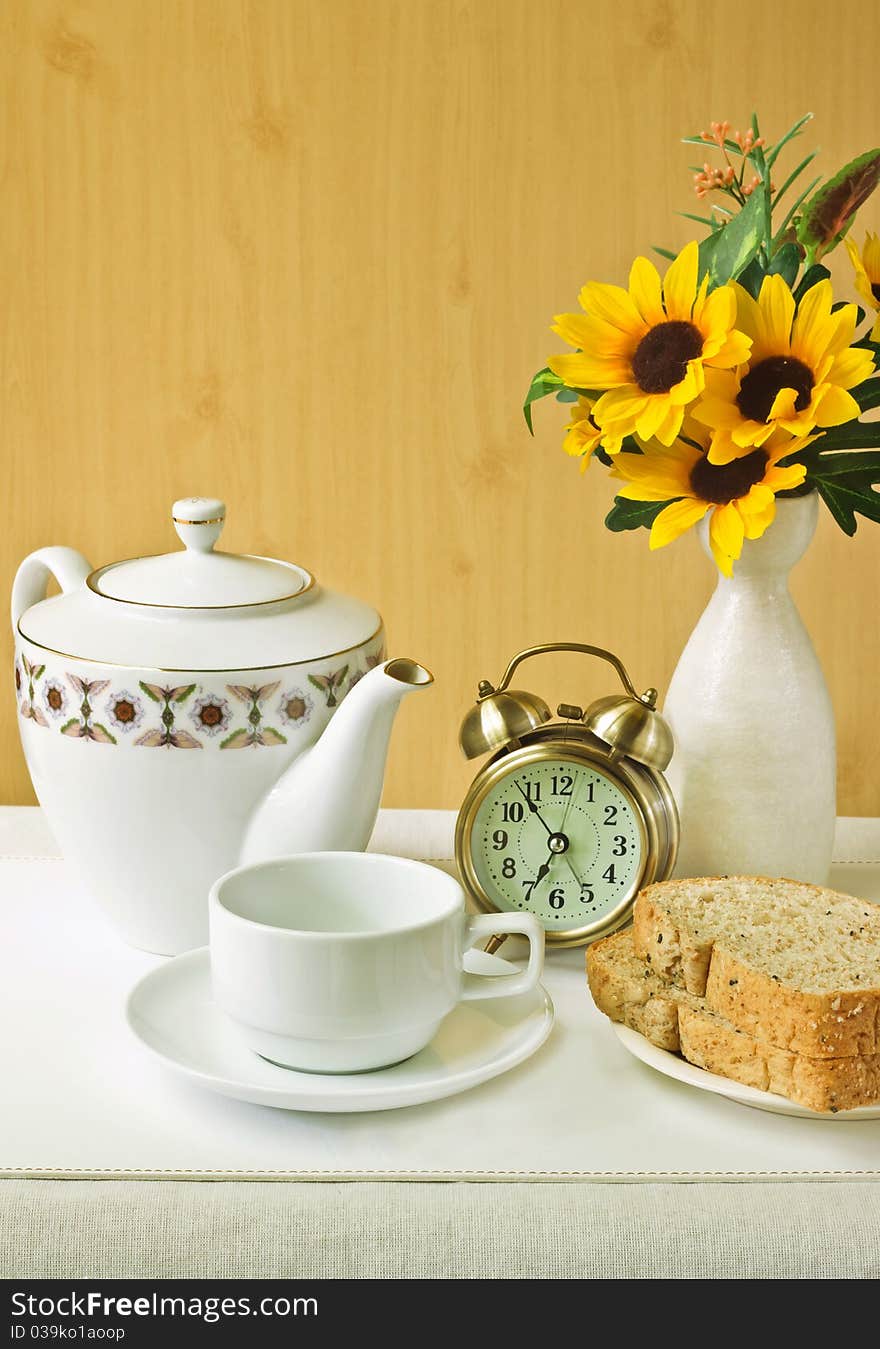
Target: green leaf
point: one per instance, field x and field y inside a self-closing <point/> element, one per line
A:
<point x="811" y="277"/>
<point x="699" y="219"/>
<point x="664" y="252"/>
<point x="567" y="396"/>
<point x="148" y="690"/>
<point x="828" y="214"/>
<point x="780" y="193"/>
<point x="848" y="497"/>
<point x="867" y="396"/>
<point x="863" y="463"/>
<point x="543" y="383"/>
<point x="752" y="277"/>
<point x="792" y="211"/>
<point x="852" y="435"/>
<point x="626" y="514"/>
<point x="731" y="248"/>
<point x="785" y="263"/>
<point x="183" y="693"/>
<point x="710" y="145"/>
<point x="773" y="152"/>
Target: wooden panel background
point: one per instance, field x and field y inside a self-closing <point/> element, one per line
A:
<point x="303" y="254"/>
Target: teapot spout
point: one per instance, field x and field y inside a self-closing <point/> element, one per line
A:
<point x="328" y="799"/>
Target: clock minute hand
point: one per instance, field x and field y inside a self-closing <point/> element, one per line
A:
<point x="532" y="807"/>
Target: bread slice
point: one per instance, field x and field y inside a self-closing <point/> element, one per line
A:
<point x="626" y="990"/>
<point x="791" y="964"/>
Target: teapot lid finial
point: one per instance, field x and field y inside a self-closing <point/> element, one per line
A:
<point x="199" y="521"/>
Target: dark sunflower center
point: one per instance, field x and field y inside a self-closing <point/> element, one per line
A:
<point x="720" y="483"/>
<point x="875" y="289"/>
<point x="660" y="360"/>
<point x="763" y="382"/>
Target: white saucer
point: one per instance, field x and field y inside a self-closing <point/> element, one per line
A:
<point x="672" y="1065"/>
<point x="171" y="1011"/>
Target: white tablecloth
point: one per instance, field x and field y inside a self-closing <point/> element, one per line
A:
<point x="533" y="1126"/>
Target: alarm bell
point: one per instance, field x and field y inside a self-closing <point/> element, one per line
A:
<point x="499" y="717"/>
<point x="630" y="724"/>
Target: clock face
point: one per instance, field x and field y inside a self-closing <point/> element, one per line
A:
<point x="557" y="838"/>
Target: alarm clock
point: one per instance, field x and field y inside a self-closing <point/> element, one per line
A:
<point x="571" y="817"/>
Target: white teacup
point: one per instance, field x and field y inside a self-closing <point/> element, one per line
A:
<point x="342" y="962"/>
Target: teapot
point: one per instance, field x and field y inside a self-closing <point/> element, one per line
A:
<point x="183" y="713"/>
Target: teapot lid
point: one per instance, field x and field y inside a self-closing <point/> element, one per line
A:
<point x="197" y="609"/>
<point x="197" y="577"/>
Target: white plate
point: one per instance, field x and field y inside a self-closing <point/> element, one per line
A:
<point x="171" y="1011"/>
<point x="672" y="1065"/>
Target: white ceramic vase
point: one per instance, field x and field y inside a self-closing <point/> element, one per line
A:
<point x="754" y="770"/>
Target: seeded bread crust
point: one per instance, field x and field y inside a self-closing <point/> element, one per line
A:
<point x="626" y="990"/>
<point x="841" y="1023"/>
<point x="823" y="1085"/>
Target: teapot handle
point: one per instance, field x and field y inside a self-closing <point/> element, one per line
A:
<point x="66" y="565"/>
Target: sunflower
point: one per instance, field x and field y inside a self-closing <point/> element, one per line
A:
<point x="741" y="495"/>
<point x="797" y="377"/>
<point x="646" y="347"/>
<point x="867" y="267"/>
<point x="584" y="436"/>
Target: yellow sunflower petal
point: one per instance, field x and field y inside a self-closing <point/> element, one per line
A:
<point x="749" y="320"/>
<point x="871" y="256"/>
<point x="836" y="406"/>
<point x="614" y="306"/>
<point x="726" y="534"/>
<point x="657" y="475"/>
<point x="691" y="386"/>
<point x="572" y="328"/>
<point x="865" y="268"/>
<point x="851" y="367"/>
<point x="644" y="287"/>
<point x="814" y="324"/>
<point x="581" y="371"/>
<point x="735" y="350"/>
<point x="669" y="427"/>
<point x="844" y="321"/>
<point x="716" y="412"/>
<point x="783" y="404"/>
<point x="651" y="417"/>
<point x="680" y="283"/>
<point x="672" y="522"/>
<point x="659" y="416"/>
<point x="758" y="509"/>
<point x="723" y="449"/>
<point x="622" y="405"/>
<point x="777" y="306"/>
<point x="700" y="302"/>
<point x="784" y="479"/>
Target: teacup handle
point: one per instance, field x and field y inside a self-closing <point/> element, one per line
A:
<point x="504" y="985"/>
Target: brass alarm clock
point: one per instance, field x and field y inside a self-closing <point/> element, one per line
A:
<point x="570" y="818"/>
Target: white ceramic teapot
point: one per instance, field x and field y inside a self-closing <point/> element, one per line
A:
<point x="170" y="710"/>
